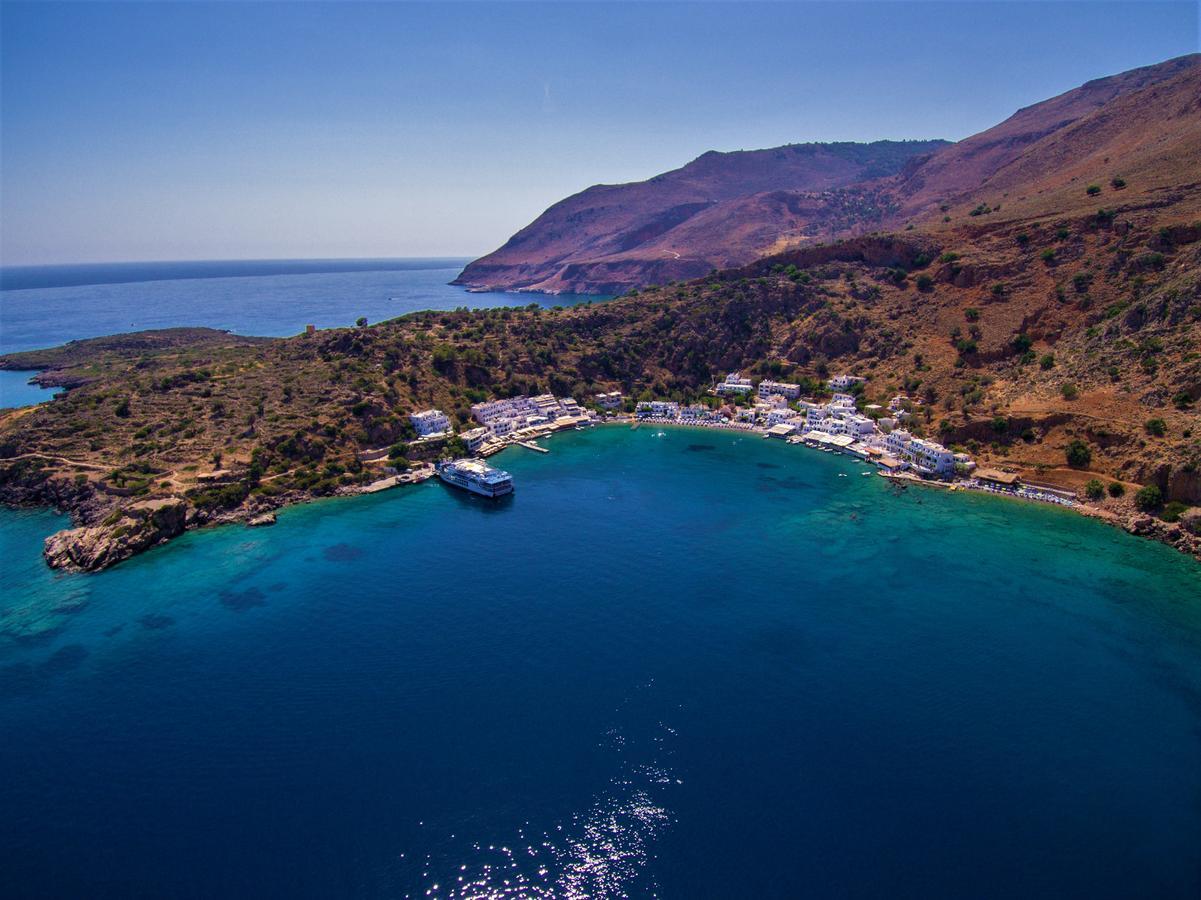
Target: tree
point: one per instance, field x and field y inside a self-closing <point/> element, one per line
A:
<point x="1078" y="454"/>
<point x="1093" y="489"/>
<point x="361" y="321"/>
<point x="1149" y="497"/>
<point x="1116" y="489"/>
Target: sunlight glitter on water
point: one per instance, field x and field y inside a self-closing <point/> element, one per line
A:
<point x="603" y="852"/>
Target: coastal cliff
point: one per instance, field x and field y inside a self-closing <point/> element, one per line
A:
<point x="127" y="531"/>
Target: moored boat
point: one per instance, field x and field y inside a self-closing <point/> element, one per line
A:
<point x="476" y="476"/>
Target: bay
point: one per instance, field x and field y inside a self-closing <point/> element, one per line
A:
<point x="676" y="663"/>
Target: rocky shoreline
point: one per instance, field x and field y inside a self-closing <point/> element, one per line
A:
<point x="107" y="531"/>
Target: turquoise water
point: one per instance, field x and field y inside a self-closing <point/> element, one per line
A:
<point x="695" y="664"/>
<point x="15" y="390"/>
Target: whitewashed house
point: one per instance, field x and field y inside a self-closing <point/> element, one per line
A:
<point x="430" y="422"/>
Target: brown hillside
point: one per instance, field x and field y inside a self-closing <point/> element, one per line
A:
<point x="726" y="209"/>
<point x="721" y="209"/>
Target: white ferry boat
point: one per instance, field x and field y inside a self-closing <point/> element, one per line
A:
<point x="476" y="476"/>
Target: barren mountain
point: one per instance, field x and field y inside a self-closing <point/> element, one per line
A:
<point x="726" y="209"/>
<point x="721" y="209"/>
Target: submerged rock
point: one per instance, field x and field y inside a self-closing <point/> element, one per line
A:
<point x="126" y="531"/>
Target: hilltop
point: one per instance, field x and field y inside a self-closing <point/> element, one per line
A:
<point x="725" y="210"/>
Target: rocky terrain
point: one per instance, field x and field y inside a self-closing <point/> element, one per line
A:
<point x="720" y="210"/>
<point x="727" y="209"/>
<point x="1017" y="343"/>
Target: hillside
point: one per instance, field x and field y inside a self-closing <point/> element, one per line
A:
<point x="1013" y="341"/>
<point x="721" y="209"/>
<point x="724" y="210"/>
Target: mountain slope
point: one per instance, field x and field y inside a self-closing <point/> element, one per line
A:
<point x="976" y="161"/>
<point x="727" y="209"/>
<point x="721" y="209"/>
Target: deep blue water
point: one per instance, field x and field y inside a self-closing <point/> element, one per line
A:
<point x="690" y="665"/>
<point x="50" y="305"/>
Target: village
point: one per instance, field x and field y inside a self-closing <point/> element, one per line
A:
<point x="773" y="409"/>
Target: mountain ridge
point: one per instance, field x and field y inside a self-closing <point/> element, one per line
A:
<point x="609" y="238"/>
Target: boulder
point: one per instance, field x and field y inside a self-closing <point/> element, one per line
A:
<point x="1190" y="521"/>
<point x="124" y="532"/>
<point x="267" y="518"/>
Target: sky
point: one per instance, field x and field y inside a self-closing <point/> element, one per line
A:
<point x="166" y="131"/>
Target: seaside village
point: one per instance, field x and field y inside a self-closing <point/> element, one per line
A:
<point x="773" y="409"/>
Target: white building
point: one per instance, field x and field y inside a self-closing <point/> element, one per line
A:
<point x="475" y="438"/>
<point x="782" y="415"/>
<point x="659" y="409"/>
<point x="842" y="382"/>
<point x="611" y="400"/>
<point x="430" y="422"/>
<point x="846" y="401"/>
<point x="780" y="388"/>
<point x="858" y="426"/>
<point x="927" y="457"/>
<point x="734" y="384"/>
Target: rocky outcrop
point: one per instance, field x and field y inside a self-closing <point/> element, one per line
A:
<point x="259" y="521"/>
<point x="1172" y="534"/>
<point x="126" y="531"/>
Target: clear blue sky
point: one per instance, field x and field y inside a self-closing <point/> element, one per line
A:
<point x="232" y="130"/>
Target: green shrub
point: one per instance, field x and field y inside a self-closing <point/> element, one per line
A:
<point x="971" y="314"/>
<point x="1047" y="361"/>
<point x="1093" y="189"/>
<point x="1078" y="454"/>
<point x="1116" y="489"/>
<point x="1069" y="392"/>
<point x="1156" y="427"/>
<point x="1093" y="489"/>
<point x="1148" y="497"/>
<point x="1047" y="256"/>
<point x="1117" y="183"/>
<point x="924" y="282"/>
<point x="1173" y="510"/>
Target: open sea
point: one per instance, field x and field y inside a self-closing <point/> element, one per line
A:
<point x="675" y="663"/>
<point x="44" y="306"/>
